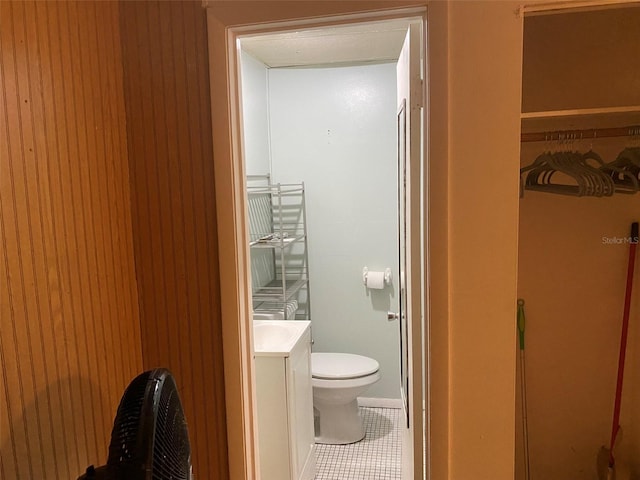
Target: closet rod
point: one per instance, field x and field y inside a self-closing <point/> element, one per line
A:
<point x="581" y="134"/>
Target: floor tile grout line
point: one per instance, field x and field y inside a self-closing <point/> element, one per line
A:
<point x="376" y="457"/>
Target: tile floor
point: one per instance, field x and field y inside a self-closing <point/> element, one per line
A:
<point x="377" y="457"/>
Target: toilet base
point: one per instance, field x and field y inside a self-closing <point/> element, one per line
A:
<point x="338" y="424"/>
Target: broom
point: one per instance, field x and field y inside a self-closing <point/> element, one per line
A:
<point x="523" y="388"/>
<point x="615" y="427"/>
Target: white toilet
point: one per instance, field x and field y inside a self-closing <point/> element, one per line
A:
<point x="337" y="380"/>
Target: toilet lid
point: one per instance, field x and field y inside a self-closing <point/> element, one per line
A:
<point x="341" y="365"/>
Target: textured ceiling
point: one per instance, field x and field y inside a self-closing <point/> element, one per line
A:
<point x="372" y="42"/>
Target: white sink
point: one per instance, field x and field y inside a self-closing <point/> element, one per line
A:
<point x="277" y="337"/>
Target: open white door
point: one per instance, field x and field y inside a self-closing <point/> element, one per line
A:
<point x="410" y="88"/>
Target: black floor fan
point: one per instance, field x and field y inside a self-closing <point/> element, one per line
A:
<point x="149" y="440"/>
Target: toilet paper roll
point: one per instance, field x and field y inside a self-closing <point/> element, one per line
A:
<point x="375" y="280"/>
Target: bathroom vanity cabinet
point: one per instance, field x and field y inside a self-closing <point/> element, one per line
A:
<point x="285" y="409"/>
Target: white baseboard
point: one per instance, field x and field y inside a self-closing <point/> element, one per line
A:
<point x="407" y="454"/>
<point x="380" y="402"/>
<point x="309" y="469"/>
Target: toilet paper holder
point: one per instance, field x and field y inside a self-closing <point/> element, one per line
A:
<point x="387" y="276"/>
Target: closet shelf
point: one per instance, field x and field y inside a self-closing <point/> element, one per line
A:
<point x="579" y="112"/>
<point x="587" y="119"/>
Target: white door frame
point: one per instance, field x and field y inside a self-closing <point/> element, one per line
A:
<point x="232" y="234"/>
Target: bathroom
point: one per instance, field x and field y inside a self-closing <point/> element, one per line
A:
<point x="334" y="128"/>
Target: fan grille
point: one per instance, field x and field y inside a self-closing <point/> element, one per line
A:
<point x="126" y="425"/>
<point x="150" y="440"/>
<point x="171" y="450"/>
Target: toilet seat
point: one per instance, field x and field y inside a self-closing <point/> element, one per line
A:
<point x="341" y="366"/>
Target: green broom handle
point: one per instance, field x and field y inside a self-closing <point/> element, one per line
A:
<point x="521" y="322"/>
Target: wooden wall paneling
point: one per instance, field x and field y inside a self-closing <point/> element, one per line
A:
<point x="107" y="38"/>
<point x="96" y="191"/>
<point x="97" y="114"/>
<point x="14" y="232"/>
<point x="173" y="207"/>
<point x="69" y="336"/>
<point x="206" y="231"/>
<point x="177" y="121"/>
<point x="86" y="235"/>
<point x="76" y="215"/>
<point x="197" y="61"/>
<point x="141" y="114"/>
<point x="48" y="296"/>
<point x="168" y="182"/>
<point x="174" y="56"/>
<point x="112" y="88"/>
<point x="135" y="145"/>
<point x="48" y="25"/>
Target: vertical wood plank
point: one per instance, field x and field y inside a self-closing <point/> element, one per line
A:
<point x="54" y="459"/>
<point x="46" y="149"/>
<point x="19" y="245"/>
<point x="69" y="325"/>
<point x="189" y="289"/>
<point x="100" y="223"/>
<point x="48" y="22"/>
<point x="173" y="207"/>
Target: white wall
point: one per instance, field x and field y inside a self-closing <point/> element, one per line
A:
<point x="335" y="129"/>
<point x="255" y="115"/>
<point x="255" y="118"/>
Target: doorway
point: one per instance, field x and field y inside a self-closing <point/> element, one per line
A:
<point x="414" y="436"/>
<point x="319" y="109"/>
